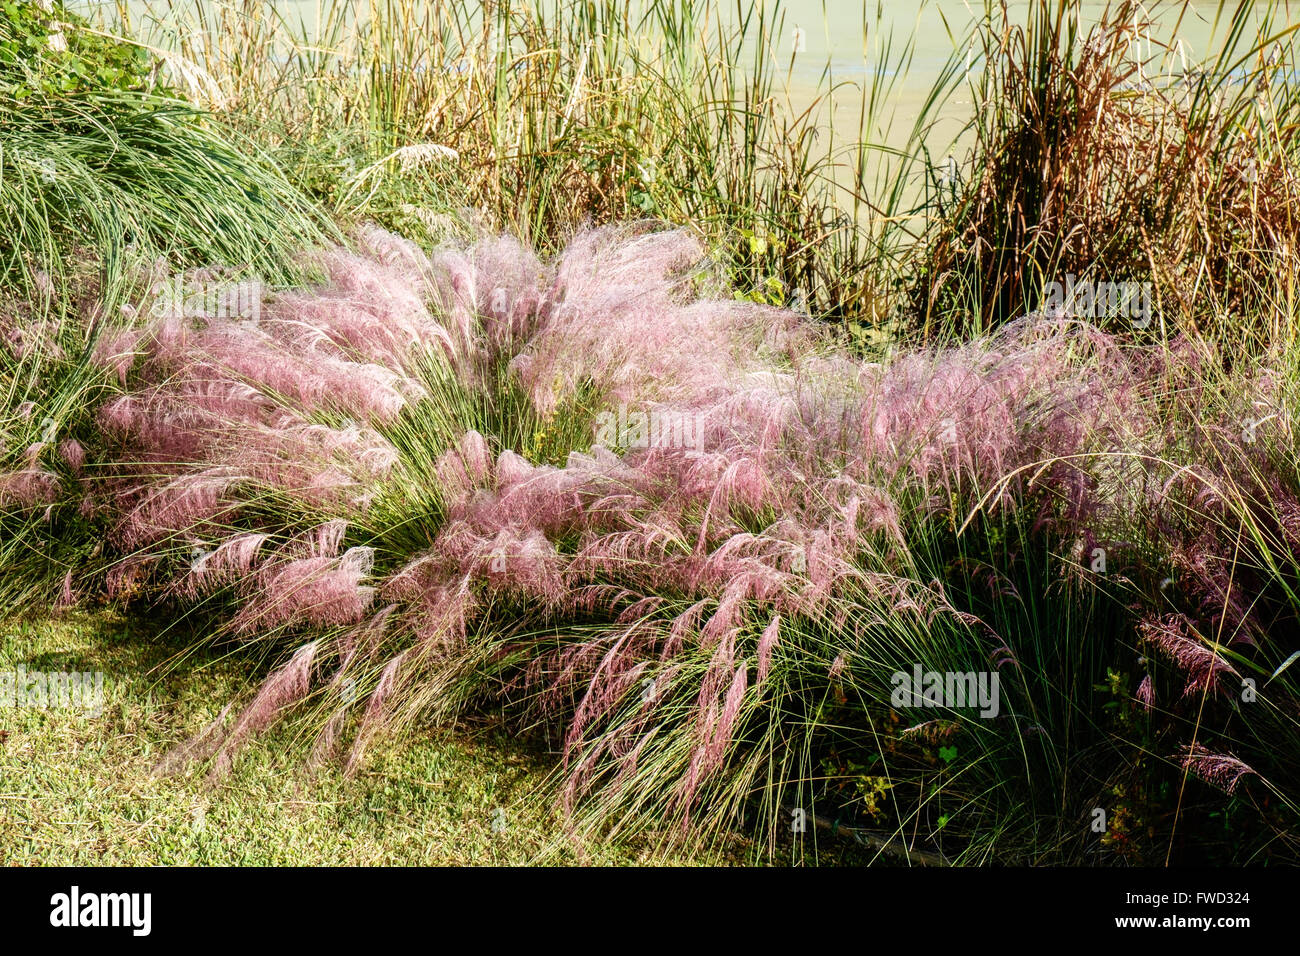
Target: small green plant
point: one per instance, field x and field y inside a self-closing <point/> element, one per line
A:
<point x="48" y="51"/>
<point x="101" y="169"/>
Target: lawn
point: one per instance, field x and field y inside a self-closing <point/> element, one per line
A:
<point x="79" y="790"/>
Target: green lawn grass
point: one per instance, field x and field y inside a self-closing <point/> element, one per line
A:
<point x="81" y="790"/>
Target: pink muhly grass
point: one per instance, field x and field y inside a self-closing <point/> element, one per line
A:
<point x="1171" y="635"/>
<point x="73" y="455"/>
<point x="312" y="379"/>
<point x="319" y="591"/>
<point x="723" y="623"/>
<point x="200" y="747"/>
<point x="1218" y="770"/>
<point x="66" y="597"/>
<point x="683" y="626"/>
<point x="236" y="555"/>
<point x="836" y="670"/>
<point x="530" y="565"/>
<point x="228" y="564"/>
<point x="188" y="502"/>
<point x="1146" y="694"/>
<point x="437" y="612"/>
<point x="27" y="488"/>
<point x="617" y="321"/>
<point x="617" y="672"/>
<point x="716" y="723"/>
<point x="24" y="336"/>
<point x="377" y="711"/>
<point x="463" y="469"/>
<point x="116" y="351"/>
<point x="932" y="732"/>
<point x="122" y="579"/>
<point x="1207" y="568"/>
<point x="284" y="688"/>
<point x="813" y="468"/>
<point x="766" y="645"/>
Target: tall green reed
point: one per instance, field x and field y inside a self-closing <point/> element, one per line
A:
<point x="539" y="116"/>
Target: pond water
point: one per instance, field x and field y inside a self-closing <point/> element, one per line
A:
<point x="844" y="34"/>
<point x="818" y="42"/>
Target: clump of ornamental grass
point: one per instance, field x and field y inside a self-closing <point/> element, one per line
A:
<point x="694" y="543"/>
<point x="102" y="165"/>
<point x="1104" y="156"/>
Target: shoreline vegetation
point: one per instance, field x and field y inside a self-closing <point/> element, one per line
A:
<point x="493" y="437"/>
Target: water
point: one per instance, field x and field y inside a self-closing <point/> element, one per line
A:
<point x="817" y="43"/>
<point x="837" y="41"/>
<point x="832" y="31"/>
<point x="846" y="40"/>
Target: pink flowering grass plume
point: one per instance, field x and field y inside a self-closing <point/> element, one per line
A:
<point x="308" y="583"/>
<point x="225" y="565"/>
<point x="1218" y="770"/>
<point x="1146" y="694"/>
<point x="225" y="411"/>
<point x="28" y="488"/>
<point x="1174" y="636"/>
<point x="73" y="455"/>
<point x="285" y="687"/>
